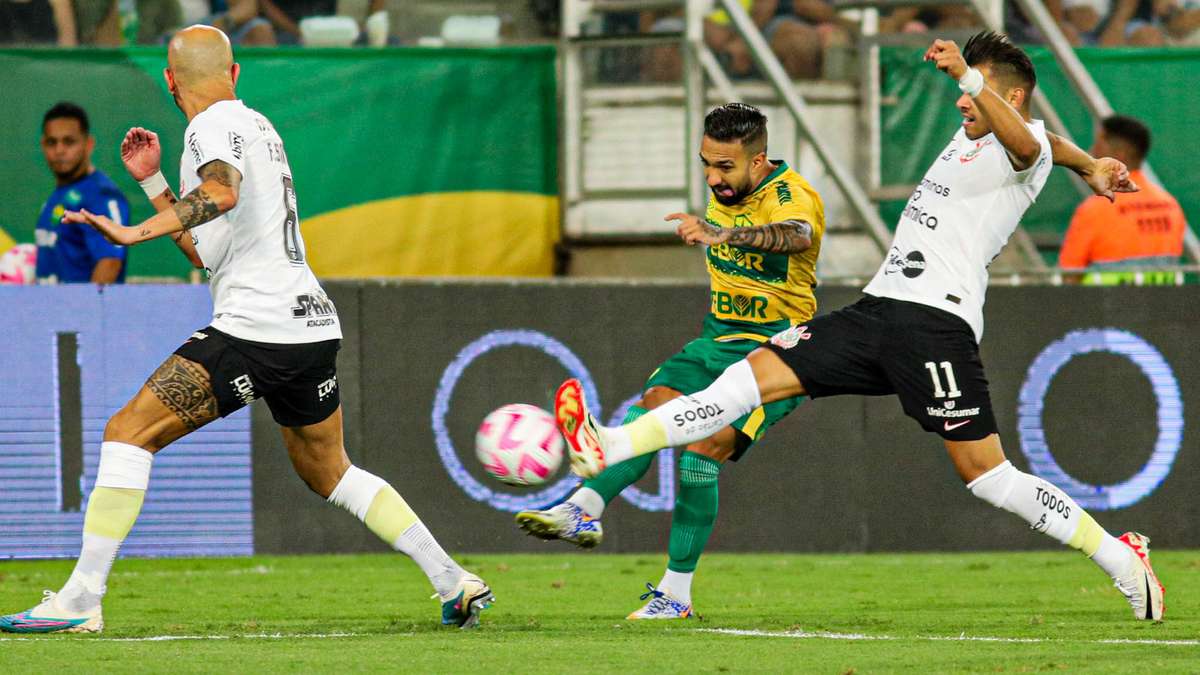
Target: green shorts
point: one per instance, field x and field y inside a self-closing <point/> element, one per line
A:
<point x="701" y="361"/>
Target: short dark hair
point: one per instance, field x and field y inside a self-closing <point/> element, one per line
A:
<point x="1008" y="62"/>
<point x="67" y="110"/>
<point x="737" y="122"/>
<point x="1130" y="130"/>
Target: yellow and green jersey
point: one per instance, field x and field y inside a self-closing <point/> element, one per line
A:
<point x="757" y="293"/>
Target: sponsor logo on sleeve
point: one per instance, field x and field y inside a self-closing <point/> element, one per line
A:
<point x="235" y="144"/>
<point x="197" y="155"/>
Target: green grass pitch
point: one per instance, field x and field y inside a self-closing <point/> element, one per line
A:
<point x="564" y="612"/>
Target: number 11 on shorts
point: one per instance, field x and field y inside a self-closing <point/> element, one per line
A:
<point x="938" y="391"/>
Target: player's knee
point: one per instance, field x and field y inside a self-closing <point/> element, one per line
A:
<point x="123" y="427"/>
<point x="656" y="396"/>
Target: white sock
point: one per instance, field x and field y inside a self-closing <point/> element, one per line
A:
<point x="678" y="585"/>
<point x="373" y="501"/>
<point x="88" y="582"/>
<point x="1112" y="556"/>
<point x="589" y="500"/>
<point x="418" y="543"/>
<point x="1049" y="510"/>
<point x="124" y="468"/>
<point x="686" y="419"/>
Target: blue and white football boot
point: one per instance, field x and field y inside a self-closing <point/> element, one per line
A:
<point x="565" y="521"/>
<point x="49" y="617"/>
<point x="661" y="606"/>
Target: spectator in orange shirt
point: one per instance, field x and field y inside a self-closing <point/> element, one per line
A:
<point x="1137" y="229"/>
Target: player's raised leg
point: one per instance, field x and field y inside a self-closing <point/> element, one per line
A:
<point x="176" y="400"/>
<point x="759" y="379"/>
<point x="1047" y="509"/>
<point x="320" y="459"/>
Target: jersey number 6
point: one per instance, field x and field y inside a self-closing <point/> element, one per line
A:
<point x="291" y="224"/>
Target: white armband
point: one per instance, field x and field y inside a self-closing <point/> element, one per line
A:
<point x="971" y="83"/>
<point x="154" y="185"/>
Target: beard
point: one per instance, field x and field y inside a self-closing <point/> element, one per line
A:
<point x="71" y="174"/>
<point x="737" y="196"/>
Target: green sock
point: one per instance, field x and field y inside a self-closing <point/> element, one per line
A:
<point x="617" y="477"/>
<point x="695" y="511"/>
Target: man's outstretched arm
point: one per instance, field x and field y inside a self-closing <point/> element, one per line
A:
<point x="215" y="196"/>
<point x="787" y="236"/>
<point x="1105" y="175"/>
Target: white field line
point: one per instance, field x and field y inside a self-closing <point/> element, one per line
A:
<point x="825" y="635"/>
<point x="171" y="638"/>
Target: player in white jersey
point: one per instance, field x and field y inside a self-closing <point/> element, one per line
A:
<point x="274" y="335"/>
<point x="915" y="334"/>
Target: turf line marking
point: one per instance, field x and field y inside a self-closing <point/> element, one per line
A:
<point x="171" y="638"/>
<point x="825" y="635"/>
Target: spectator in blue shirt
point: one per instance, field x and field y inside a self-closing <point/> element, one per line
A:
<point x="71" y="252"/>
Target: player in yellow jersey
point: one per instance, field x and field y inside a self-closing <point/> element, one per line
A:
<point x="763" y="229"/>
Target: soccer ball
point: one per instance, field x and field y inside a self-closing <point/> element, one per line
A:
<point x="519" y="444"/>
<point x="19" y="265"/>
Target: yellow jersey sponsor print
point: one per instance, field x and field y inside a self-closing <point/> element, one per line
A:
<point x="758" y="287"/>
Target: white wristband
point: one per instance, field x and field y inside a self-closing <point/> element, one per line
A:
<point x="154" y="185"/>
<point x="971" y="83"/>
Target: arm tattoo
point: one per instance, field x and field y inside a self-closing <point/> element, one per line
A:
<point x="789" y="236"/>
<point x="199" y="207"/>
<point x="170" y="197"/>
<point x="184" y="387"/>
<point x="196" y="208"/>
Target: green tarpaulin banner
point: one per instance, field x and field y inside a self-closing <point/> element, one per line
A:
<point x="406" y="161"/>
<point x="1159" y="86"/>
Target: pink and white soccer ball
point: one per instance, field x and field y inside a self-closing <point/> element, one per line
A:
<point x="19" y="265"/>
<point x="519" y="444"/>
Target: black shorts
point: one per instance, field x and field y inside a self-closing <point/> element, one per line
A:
<point x="880" y="346"/>
<point x="298" y="382"/>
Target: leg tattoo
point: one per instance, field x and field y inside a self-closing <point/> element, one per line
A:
<point x="185" y="388"/>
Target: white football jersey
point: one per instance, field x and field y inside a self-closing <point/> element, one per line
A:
<point x="262" y="288"/>
<point x="956" y="222"/>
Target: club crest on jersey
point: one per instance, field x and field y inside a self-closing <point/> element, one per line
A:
<point x="974" y="152"/>
<point x="791" y="337"/>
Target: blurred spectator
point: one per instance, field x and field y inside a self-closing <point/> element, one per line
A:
<point x="238" y="19"/>
<point x="548" y="14"/>
<point x="71" y="252"/>
<point x="924" y="18"/>
<point x="156" y="20"/>
<point x="98" y="22"/>
<point x="798" y="32"/>
<point x="1183" y="23"/>
<point x="1139" y="228"/>
<point x="38" y="22"/>
<point x="1113" y="22"/>
<point x="286" y="15"/>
